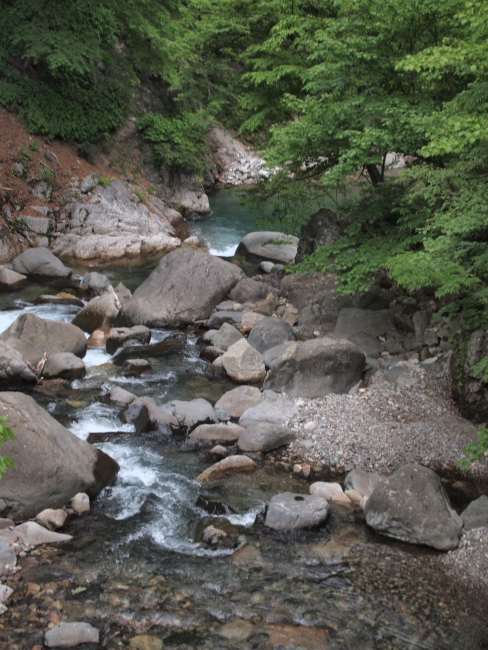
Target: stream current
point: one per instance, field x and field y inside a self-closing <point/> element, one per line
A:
<point x="133" y="567"/>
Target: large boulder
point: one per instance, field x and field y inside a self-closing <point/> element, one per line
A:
<point x="247" y="290"/>
<point x="185" y="286"/>
<point x="264" y="437"/>
<point x="33" y="337"/>
<point x="316" y="368"/>
<point x="243" y="363"/>
<point x="269" y="333"/>
<point x="322" y="229"/>
<point x="14" y="371"/>
<point x="40" y="261"/>
<point x="276" y="246"/>
<point x="51" y="463"/>
<point x="364" y="328"/>
<point x="299" y="289"/>
<point x="99" y="312"/>
<point x="413" y="506"/>
<point x="290" y="511"/>
<point x="476" y="514"/>
<point x="273" y="408"/>
<point x="322" y="311"/>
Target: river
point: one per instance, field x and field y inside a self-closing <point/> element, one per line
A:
<point x="133" y="567"/>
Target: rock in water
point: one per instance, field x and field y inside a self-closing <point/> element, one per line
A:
<point x="11" y="280"/>
<point x="316" y="368"/>
<point x="64" y="365"/>
<point x="99" y="312"/>
<point x="413" y="506"/>
<point x="51" y="463"/>
<point x="68" y="635"/>
<point x="33" y="337"/>
<point x="14" y="371"/>
<point x="40" y="261"/>
<point x="239" y="399"/>
<point x="290" y="511"/>
<point x="276" y="246"/>
<point x="186" y="286"/>
<point x="229" y="464"/>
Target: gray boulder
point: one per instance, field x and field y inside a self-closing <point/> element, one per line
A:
<point x="238" y="400"/>
<point x="33" y="337"/>
<point x="273" y="408"/>
<point x="290" y="511"/>
<point x="14" y="371"/>
<point x="64" y="365"/>
<point x="264" y="437"/>
<point x="476" y="514"/>
<point x="121" y="337"/>
<point x="120" y="396"/>
<point x="247" y="290"/>
<point x="413" y="506"/>
<point x="322" y="229"/>
<point x="364" y="327"/>
<point x="184" y="287"/>
<point x="51" y="463"/>
<point x="226" y="336"/>
<point x="191" y="414"/>
<point x="147" y="417"/>
<point x="299" y="289"/>
<point x="40" y="261"/>
<point x="316" y="368"/>
<point x="273" y="354"/>
<point x="259" y="244"/>
<point x="243" y="363"/>
<point x="123" y="293"/>
<point x="99" y="312"/>
<point x="94" y="284"/>
<point x="269" y="333"/>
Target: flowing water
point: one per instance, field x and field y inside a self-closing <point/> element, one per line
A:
<point x="134" y="568"/>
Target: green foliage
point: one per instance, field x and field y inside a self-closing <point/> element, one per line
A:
<point x="70" y="67"/>
<point x="140" y="194"/>
<point x="178" y="142"/>
<point x="476" y="450"/>
<point x="481" y="369"/>
<point x="104" y="181"/>
<point x="35" y="145"/>
<point x="6" y="433"/>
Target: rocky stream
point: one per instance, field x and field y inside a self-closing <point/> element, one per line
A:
<point x="139" y="568"/>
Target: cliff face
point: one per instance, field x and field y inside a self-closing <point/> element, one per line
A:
<point x="116" y="204"/>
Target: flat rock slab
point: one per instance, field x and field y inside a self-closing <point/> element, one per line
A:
<point x="33" y="534"/>
<point x="276" y="246"/>
<point x="290" y="511"/>
<point x="239" y="399"/>
<point x="412" y="505"/>
<point x="225" y="433"/>
<point x="68" y="635"/>
<point x="264" y="437"/>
